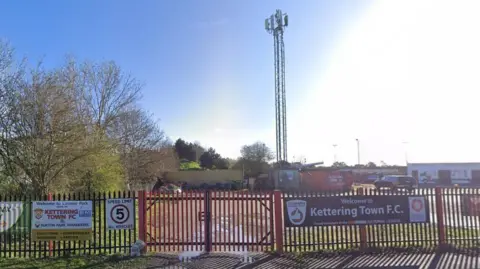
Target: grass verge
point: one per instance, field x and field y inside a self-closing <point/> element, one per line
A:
<point x="338" y="238"/>
<point x="85" y="262"/>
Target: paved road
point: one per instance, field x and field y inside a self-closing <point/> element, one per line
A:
<point x="366" y="261"/>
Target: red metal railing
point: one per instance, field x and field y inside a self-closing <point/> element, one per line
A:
<point x="254" y="221"/>
<point x="207" y="220"/>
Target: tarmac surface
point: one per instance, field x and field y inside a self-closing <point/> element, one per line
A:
<point x="353" y="261"/>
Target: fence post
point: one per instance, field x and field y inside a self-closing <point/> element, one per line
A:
<point x="362" y="228"/>
<point x="142" y="220"/>
<point x="277" y="205"/>
<point x="440" y="218"/>
<point x="50" y="243"/>
<point x="208" y="221"/>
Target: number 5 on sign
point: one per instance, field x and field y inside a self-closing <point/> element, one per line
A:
<point x="120" y="214"/>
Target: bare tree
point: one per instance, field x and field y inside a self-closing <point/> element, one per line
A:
<point x="40" y="132"/>
<point x="51" y="120"/>
<point x="139" y="140"/>
<point x="107" y="92"/>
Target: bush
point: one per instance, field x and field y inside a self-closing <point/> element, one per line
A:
<point x="185" y="166"/>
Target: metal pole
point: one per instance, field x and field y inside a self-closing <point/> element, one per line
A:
<point x="358" y="151"/>
<point x="406" y="153"/>
<point x="334" y="153"/>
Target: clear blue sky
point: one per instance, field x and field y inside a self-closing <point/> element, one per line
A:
<point x="207" y="65"/>
<point x="385" y="72"/>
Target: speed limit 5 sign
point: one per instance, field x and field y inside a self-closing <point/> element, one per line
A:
<point x="120" y="214"/>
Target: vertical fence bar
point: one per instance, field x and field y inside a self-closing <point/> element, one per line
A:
<point x="168" y="205"/>
<point x="245" y="226"/>
<point x="149" y="220"/>
<point x="176" y="220"/>
<point x="70" y="242"/>
<point x="244" y="210"/>
<point x="239" y="216"/>
<point x="135" y="225"/>
<point x="164" y="221"/>
<point x="105" y="225"/>
<point x="255" y="202"/>
<point x="362" y="228"/>
<point x="25" y="223"/>
<point x="225" y="220"/>
<point x="303" y="238"/>
<point x="29" y="219"/>
<point x="35" y="198"/>
<point x="217" y="217"/>
<point x="476" y="225"/>
<point x="123" y="234"/>
<point x="185" y="230"/>
<point x="208" y="222"/>
<point x="277" y="204"/>
<point x="457" y="219"/>
<point x="141" y="216"/>
<point x="3" y="246"/>
<point x="153" y="224"/>
<point x="198" y="217"/>
<point x="262" y="207"/>
<point x="231" y="223"/>
<point x="95" y="224"/>
<point x="467" y="220"/>
<point x="192" y="218"/>
<point x="93" y="231"/>
<point x="440" y="217"/>
<point x="50" y="243"/>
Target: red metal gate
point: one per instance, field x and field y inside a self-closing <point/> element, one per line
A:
<point x="241" y="221"/>
<point x="206" y="220"/>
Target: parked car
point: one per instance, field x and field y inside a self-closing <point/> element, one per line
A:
<point x="396" y="182"/>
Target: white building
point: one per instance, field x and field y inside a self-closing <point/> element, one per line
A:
<point x="445" y="173"/>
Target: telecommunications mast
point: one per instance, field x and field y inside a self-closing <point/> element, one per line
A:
<point x="276" y="25"/>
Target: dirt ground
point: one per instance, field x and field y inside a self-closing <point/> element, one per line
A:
<point x="180" y="222"/>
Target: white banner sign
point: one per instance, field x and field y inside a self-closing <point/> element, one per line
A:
<point x="120" y="214"/>
<point x="10" y="213"/>
<point x="61" y="220"/>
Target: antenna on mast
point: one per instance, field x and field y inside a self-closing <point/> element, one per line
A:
<point x="276" y="25"/>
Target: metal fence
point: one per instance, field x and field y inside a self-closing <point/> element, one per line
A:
<point x="449" y="225"/>
<point x="18" y="242"/>
<point x="253" y="221"/>
<point x="207" y="220"/>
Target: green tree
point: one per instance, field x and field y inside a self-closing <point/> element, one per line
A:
<point x="257" y="152"/>
<point x="251" y="168"/>
<point x="221" y="163"/>
<point x="185" y="150"/>
<point x="255" y="158"/>
<point x="371" y="165"/>
<point x="208" y="158"/>
<point x="339" y="165"/>
<point x="100" y="172"/>
<point x="58" y="122"/>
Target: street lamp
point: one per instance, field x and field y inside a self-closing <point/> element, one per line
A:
<point x="358" y="151"/>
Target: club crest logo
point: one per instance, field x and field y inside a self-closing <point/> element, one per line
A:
<point x="416" y="204"/>
<point x="297" y="211"/>
<point x="38" y="213"/>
